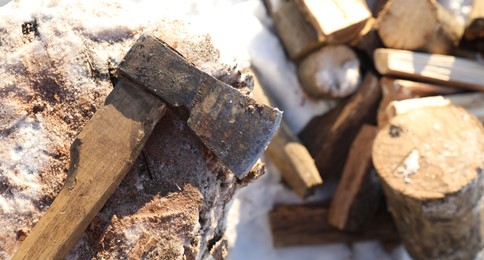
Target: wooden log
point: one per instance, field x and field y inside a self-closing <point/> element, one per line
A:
<point x="418" y="25"/>
<point x="399" y="89"/>
<point x="475" y="22"/>
<point x="441" y="69"/>
<point x="430" y="161"/>
<point x="472" y="102"/>
<point x="336" y="22"/>
<point x="358" y="195"/>
<point x="332" y="71"/>
<point x="301" y="225"/>
<point x="288" y="154"/>
<point x="297" y="35"/>
<point x="328" y="137"/>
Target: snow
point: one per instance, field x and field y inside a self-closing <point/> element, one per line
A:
<point x="409" y="166"/>
<point x="242" y="31"/>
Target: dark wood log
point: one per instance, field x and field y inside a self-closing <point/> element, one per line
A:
<point x="358" y="195"/>
<point x="329" y="137"/>
<point x="430" y="161"/>
<point x="301" y="225"/>
<point x="474" y="30"/>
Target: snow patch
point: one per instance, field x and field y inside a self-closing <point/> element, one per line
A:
<point x="23" y="155"/>
<point x="410" y="165"/>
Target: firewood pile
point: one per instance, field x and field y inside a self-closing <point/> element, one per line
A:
<point x="405" y="142"/>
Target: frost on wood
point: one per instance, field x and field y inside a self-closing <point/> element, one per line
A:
<point x="332" y="71"/>
<point x="56" y="63"/>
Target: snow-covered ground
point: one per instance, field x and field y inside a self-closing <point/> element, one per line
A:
<point x="243" y="31"/>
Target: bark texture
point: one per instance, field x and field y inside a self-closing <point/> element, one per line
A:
<point x="430" y="161"/>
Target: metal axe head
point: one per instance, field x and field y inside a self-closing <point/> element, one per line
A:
<point x="235" y="127"/>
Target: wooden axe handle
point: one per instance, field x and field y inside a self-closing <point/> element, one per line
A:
<point x="101" y="156"/>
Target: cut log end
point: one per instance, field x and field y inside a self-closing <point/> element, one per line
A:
<point x="430" y="161"/>
<point x="332" y="71"/>
<point x="431" y="152"/>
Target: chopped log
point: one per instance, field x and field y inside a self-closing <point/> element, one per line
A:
<point x="297" y="35"/>
<point x="328" y="137"/>
<point x="472" y="102"/>
<point x="336" y="22"/>
<point x="430" y="161"/>
<point x="440" y="69"/>
<point x="289" y="155"/>
<point x="418" y="25"/>
<point x="358" y="195"/>
<point x="332" y="71"/>
<point x="399" y="89"/>
<point x="475" y="22"/>
<point x="301" y="225"/>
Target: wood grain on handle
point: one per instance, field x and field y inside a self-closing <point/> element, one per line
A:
<point x="101" y="156"/>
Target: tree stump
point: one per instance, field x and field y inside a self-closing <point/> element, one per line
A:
<point x="430" y="161"/>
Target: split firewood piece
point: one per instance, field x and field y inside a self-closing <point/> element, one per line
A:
<point x="329" y="137"/>
<point x="399" y="89"/>
<point x="441" y="69"/>
<point x="296" y="34"/>
<point x="475" y="22"/>
<point x="336" y="21"/>
<point x="473" y="102"/>
<point x="300" y="225"/>
<point x="430" y="162"/>
<point x="289" y="155"/>
<point x="358" y="194"/>
<point x="332" y="71"/>
<point x="419" y="25"/>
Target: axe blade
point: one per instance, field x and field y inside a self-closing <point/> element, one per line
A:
<point x="235" y="127"/>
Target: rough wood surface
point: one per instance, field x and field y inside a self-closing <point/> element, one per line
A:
<point x="235" y="127"/>
<point x="332" y="71"/>
<point x="430" y="161"/>
<point x="418" y="25"/>
<point x="440" y="69"/>
<point x="302" y="225"/>
<point x="358" y="195"/>
<point x="328" y="137"/>
<point x="288" y="154"/>
<point x="399" y="89"/>
<point x="297" y="35"/>
<point x="101" y="156"/>
<point x="336" y="21"/>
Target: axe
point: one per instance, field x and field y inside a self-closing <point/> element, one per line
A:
<point x="154" y="77"/>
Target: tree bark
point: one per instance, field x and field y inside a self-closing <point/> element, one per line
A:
<point x="430" y="161"/>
